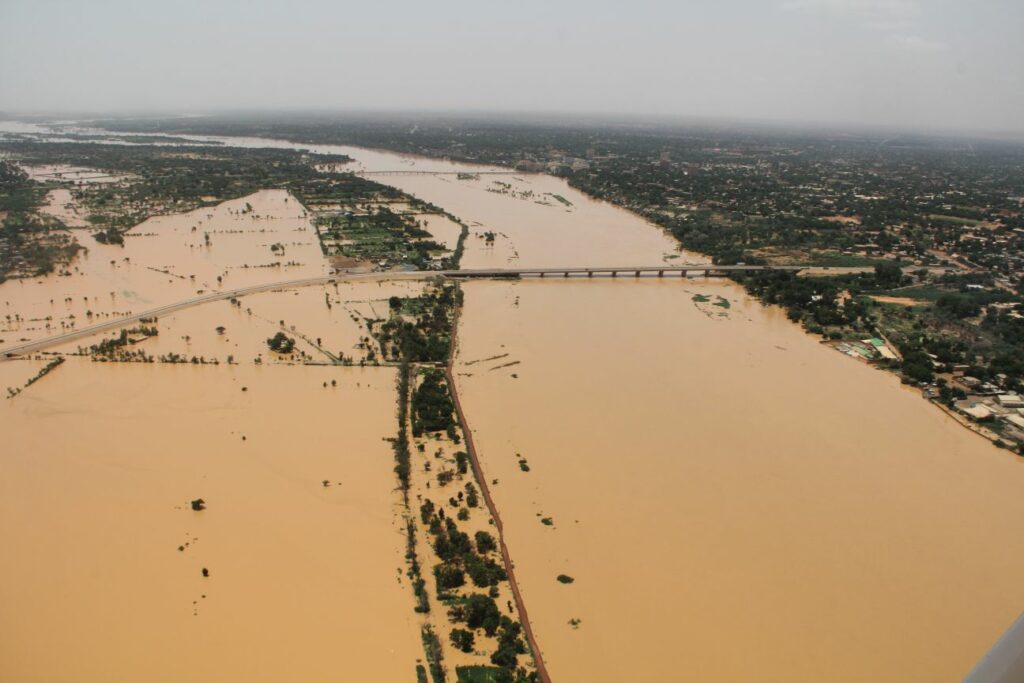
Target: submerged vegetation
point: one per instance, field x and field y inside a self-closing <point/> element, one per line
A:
<point x="43" y="372"/>
<point x="432" y="407"/>
<point x="116" y="348"/>
<point x="281" y="343"/>
<point x="419" y="329"/>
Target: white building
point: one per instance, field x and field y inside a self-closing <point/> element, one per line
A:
<point x="1010" y="400"/>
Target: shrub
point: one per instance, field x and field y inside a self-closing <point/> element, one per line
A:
<point x="281" y="343"/>
<point x="462" y="639"/>
<point x="485" y="543"/>
<point x="448" y="576"/>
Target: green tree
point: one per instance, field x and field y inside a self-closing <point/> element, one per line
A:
<point x="462" y="639"/>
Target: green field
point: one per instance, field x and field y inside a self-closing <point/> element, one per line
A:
<point x="833" y="259"/>
<point x="477" y="674"/>
<point x="922" y="293"/>
<point x="957" y="220"/>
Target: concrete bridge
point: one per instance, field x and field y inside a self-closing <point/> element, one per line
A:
<point x="411" y="172"/>
<point x="681" y="270"/>
<point x="705" y="269"/>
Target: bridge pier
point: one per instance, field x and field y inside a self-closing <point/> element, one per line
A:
<point x="542" y="273"/>
<point x="614" y="274"/>
<point x="707" y="273"/>
<point x="636" y="274"/>
<point x="590" y="273"/>
<point x="566" y="274"/>
<point x="661" y="273"/>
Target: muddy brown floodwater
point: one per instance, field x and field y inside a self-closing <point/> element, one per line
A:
<point x="735" y="501"/>
<point x="101" y="574"/>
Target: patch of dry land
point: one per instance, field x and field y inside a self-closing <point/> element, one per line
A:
<point x="102" y="574"/>
<point x="733" y="502"/>
<point x="898" y="300"/>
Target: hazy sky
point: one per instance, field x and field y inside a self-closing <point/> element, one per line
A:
<point x="924" y="64"/>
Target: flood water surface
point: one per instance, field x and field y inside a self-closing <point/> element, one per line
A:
<point x="735" y="501"/>
<point x="101" y="577"/>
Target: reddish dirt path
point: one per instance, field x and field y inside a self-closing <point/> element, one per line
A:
<point x="538" y="660"/>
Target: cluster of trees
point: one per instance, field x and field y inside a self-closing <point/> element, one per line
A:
<point x="432" y="406"/>
<point x="110" y="347"/>
<point x="969" y="303"/>
<point x="427" y="338"/>
<point x="281" y="343"/>
<point x="481" y="613"/>
<point x="459" y="555"/>
<point x="814" y="301"/>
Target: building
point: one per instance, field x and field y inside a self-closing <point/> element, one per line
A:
<point x="1010" y="400"/>
<point x="1016" y="420"/>
<point x="529" y="166"/>
<point x="978" y="411"/>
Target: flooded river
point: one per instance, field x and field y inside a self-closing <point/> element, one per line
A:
<point x="733" y="500"/>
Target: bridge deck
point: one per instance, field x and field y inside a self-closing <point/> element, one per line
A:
<point x="582" y="270"/>
<point x="412" y="172"/>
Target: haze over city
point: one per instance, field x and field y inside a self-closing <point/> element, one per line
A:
<point x="925" y="64"/>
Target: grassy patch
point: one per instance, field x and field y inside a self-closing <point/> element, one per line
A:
<point x="432" y="649"/>
<point x="833" y="259"/>
<point x="477" y="674"/>
<point x="956" y="220"/>
<point x="922" y="293"/>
